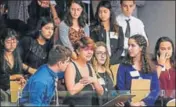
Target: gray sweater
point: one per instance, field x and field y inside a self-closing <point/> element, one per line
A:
<point x="64" y="37"/>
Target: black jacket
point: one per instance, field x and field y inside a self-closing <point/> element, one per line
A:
<point x="99" y="34"/>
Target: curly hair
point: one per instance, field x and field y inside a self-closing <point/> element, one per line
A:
<point x="81" y="20"/>
<point x="147" y="65"/>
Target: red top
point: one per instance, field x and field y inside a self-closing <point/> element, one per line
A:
<point x="167" y="81"/>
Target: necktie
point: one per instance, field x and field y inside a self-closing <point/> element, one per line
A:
<point x="57" y="96"/>
<point x="127" y="33"/>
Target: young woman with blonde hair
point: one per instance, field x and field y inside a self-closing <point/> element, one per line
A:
<point x="100" y="62"/>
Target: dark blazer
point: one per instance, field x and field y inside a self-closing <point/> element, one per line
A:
<point x="99" y="34"/>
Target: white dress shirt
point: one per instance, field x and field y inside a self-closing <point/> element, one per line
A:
<point x="136" y="27"/>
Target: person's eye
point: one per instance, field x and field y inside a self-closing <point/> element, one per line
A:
<point x="133" y="45"/>
<point x="72" y="9"/>
<point x="163" y="49"/>
<point x="169" y="48"/>
<point x="47" y="28"/>
<point x="124" y="5"/>
<point x="131" y="6"/>
<point x="78" y="9"/>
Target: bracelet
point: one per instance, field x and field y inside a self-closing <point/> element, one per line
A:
<point x="160" y="65"/>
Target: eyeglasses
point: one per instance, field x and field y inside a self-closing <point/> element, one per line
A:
<point x="101" y="53"/>
<point x="12" y="41"/>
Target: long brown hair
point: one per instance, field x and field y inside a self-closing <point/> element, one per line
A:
<point x="105" y="65"/>
<point x="147" y="65"/>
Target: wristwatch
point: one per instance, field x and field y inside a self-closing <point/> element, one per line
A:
<point x="162" y="66"/>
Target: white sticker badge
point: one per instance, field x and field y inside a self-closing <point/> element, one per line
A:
<point x="134" y="73"/>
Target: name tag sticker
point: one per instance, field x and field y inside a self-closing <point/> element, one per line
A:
<point x="113" y="35"/>
<point x="134" y="73"/>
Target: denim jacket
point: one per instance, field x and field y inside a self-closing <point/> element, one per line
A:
<point x="40" y="88"/>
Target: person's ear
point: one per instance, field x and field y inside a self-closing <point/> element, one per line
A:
<point x="2" y="43"/>
<point x="59" y="63"/>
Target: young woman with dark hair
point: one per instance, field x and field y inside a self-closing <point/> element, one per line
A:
<point x="164" y="54"/>
<point x="165" y="65"/>
<point x="74" y="25"/>
<point x="35" y="49"/>
<point x="136" y="66"/>
<point x="10" y="61"/>
<point x="107" y="30"/>
<point x="80" y="78"/>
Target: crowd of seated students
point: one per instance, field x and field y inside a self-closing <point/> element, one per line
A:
<point x="104" y="59"/>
